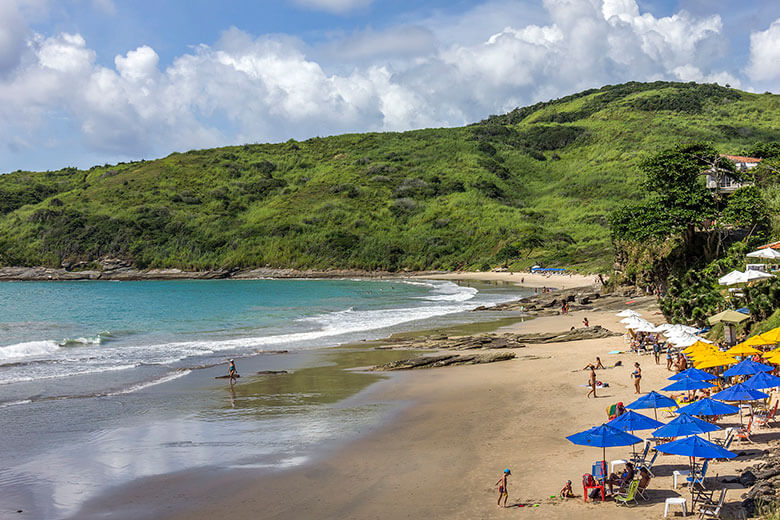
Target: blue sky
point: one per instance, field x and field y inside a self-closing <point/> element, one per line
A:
<point x="86" y="82"/>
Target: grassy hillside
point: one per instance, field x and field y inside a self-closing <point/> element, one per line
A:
<point x="534" y="185"/>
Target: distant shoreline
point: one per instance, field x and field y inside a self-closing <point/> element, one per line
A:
<point x="133" y="274"/>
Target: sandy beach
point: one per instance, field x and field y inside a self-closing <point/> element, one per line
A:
<point x="557" y="281"/>
<point x="459" y="428"/>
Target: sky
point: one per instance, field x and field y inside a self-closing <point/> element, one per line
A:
<point x="85" y="82"/>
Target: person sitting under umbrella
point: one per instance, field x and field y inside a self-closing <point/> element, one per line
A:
<point x="623" y="480"/>
<point x="644" y="479"/>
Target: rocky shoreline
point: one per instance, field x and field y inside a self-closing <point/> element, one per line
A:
<point x="126" y="273"/>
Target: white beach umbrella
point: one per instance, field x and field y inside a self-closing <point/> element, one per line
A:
<point x="627" y="313"/>
<point x="649" y="328"/>
<point x="752" y="275"/>
<point x="677" y="328"/>
<point x="684" y="339"/>
<point x="732" y="278"/>
<point x="768" y="253"/>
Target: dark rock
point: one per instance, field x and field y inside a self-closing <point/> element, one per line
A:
<point x="747" y="478"/>
<point x="272" y="372"/>
<point x="444" y="360"/>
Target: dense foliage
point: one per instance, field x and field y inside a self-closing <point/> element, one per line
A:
<point x="533" y="186"/>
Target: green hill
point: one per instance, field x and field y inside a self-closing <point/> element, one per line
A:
<point x="534" y="185"/>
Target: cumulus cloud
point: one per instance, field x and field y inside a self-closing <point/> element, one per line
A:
<point x="765" y="55"/>
<point x="244" y="88"/>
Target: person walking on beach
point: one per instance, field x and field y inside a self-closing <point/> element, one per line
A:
<point x="637" y="375"/>
<point x="669" y="358"/>
<point x="657" y="352"/>
<point x="592" y="381"/>
<point x="503" y="489"/>
<point x="232" y="372"/>
<point x="585" y="322"/>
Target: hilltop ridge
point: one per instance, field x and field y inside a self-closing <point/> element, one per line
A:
<point x="532" y="185"/>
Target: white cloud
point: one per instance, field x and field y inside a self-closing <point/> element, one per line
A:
<point x="334" y="6"/>
<point x="271" y="88"/>
<point x="765" y="55"/>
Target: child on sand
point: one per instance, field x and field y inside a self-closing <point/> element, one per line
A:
<point x="567" y="492"/>
<point x="503" y="489"/>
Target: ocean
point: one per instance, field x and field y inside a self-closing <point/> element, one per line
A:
<point x="102" y="383"/>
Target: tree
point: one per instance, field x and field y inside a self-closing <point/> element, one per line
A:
<point x="746" y="208"/>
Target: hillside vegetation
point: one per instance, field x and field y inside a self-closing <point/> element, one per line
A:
<point x="533" y="185"/>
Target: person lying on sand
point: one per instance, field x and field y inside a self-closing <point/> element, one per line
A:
<point x="567" y="492"/>
<point x="503" y="489"/>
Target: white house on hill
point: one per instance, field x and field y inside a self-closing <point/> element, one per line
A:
<point x="726" y="184"/>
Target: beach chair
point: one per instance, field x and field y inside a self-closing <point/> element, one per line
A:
<point x="766" y="418"/>
<point x="649" y="465"/>
<point x="622" y="499"/>
<point x="712" y="509"/>
<point x="743" y="434"/>
<point x="590" y="481"/>
<point x="698" y="474"/>
<point x="639" y="459"/>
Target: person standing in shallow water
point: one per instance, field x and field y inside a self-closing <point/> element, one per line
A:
<point x="232" y="372"/>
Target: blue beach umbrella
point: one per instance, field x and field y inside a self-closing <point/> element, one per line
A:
<point x="695" y="447"/>
<point x="693" y="373"/>
<point x="603" y="436"/>
<point x="747" y="367"/>
<point x="632" y="421"/>
<point x="687" y="384"/>
<point x="708" y="406"/>
<point x="652" y="400"/>
<point x="684" y="424"/>
<point x="762" y="380"/>
<point x="739" y="392"/>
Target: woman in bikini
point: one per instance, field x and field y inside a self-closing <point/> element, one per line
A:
<point x="637" y="375"/>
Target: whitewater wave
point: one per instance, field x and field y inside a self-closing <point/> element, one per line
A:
<point x="146" y="384"/>
<point x="29" y="349"/>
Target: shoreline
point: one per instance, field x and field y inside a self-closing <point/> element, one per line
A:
<point x="18" y="274"/>
<point x="455" y="431"/>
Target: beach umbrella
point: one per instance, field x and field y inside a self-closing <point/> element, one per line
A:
<point x="678" y="328"/>
<point x="739" y="392"/>
<point x="767" y="254"/>
<point x="751" y="275"/>
<point x="742" y="350"/>
<point x="684" y="424"/>
<point x="762" y="380"/>
<point x="652" y="400"/>
<point x="627" y="313"/>
<point x="604" y="436"/>
<point x="708" y="406"/>
<point x="695" y="447"/>
<point x="772" y="336"/>
<point x="687" y="384"/>
<point x="728" y="316"/>
<point x="715" y="361"/>
<point x="746" y="368"/>
<point x="632" y="421"/>
<point x="693" y="373"/>
<point x="732" y="278"/>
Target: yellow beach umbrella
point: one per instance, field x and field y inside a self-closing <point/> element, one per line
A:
<point x="699" y="346"/>
<point x="742" y="350"/>
<point x="772" y="336"/>
<point x="715" y="361"/>
<point x="756" y="341"/>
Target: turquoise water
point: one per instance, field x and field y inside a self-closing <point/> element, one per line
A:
<point x="102" y="383"/>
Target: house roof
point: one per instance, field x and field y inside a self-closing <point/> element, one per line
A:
<point x="773" y="245"/>
<point x="740" y="158"/>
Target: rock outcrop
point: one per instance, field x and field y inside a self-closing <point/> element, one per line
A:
<point x="476" y="342"/>
<point x="763" y="479"/>
<point x="444" y="360"/>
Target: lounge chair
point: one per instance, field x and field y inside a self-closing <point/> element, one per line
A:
<point x="649" y="465"/>
<point x="712" y="509"/>
<point x="743" y="434"/>
<point x="640" y="458"/>
<point x="766" y="418"/>
<point x="622" y="499"/>
<point x="698" y="474"/>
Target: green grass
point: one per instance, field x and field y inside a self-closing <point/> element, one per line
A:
<point x="425" y="199"/>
